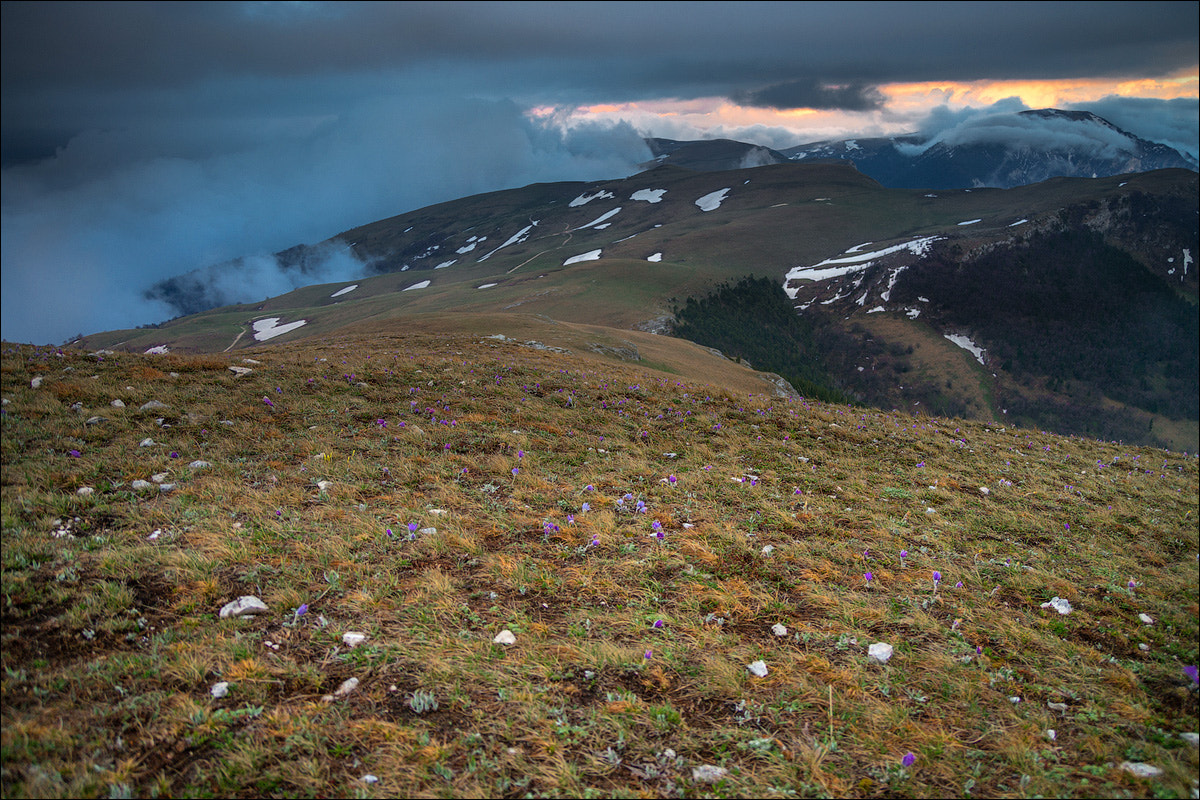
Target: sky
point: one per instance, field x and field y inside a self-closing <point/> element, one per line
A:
<point x="141" y="141"/>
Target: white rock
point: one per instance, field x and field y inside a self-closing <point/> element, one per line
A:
<point x="1059" y="707"/>
<point x="778" y="629"/>
<point x="1146" y="619"/>
<point x="880" y="652"/>
<point x="767" y="550"/>
<point x="140" y="485"/>
<point x="1141" y="770"/>
<point x="1145" y="648"/>
<point x="984" y="490"/>
<point x="219" y="690"/>
<point x="707" y="773"/>
<point x="166" y="487"/>
<point x="323" y="486"/>
<point x="159" y="477"/>
<point x="117" y="404"/>
<point x="1059" y="604"/>
<point x="505" y="637"/>
<point x="353" y="638"/>
<point x="427" y="531"/>
<point x="368" y="778"/>
<point x="1191" y="738"/>
<point x="36" y="383"/>
<point x="240" y="371"/>
<point x="153" y="404"/>
<point x="245" y="606"/>
<point x="1051" y="734"/>
<point x="348" y="686"/>
<point x="147" y="442"/>
<point x="758" y="668"/>
<point x="84" y="491"/>
<point x="199" y="465"/>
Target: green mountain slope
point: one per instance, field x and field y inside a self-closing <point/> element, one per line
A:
<point x="624" y="253"/>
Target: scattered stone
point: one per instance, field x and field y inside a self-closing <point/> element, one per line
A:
<point x="36" y="383"/>
<point x="1145" y="648"/>
<point x="1051" y="734"/>
<point x="118" y="403"/>
<point x="368" y="778"/>
<point x="778" y="629"/>
<point x="166" y="487"/>
<point x="159" y="477"/>
<point x="250" y="361"/>
<point x="768" y="549"/>
<point x="240" y="371"/>
<point x="1191" y="738"/>
<point x="199" y="465"/>
<point x="758" y="668"/>
<point x="1060" y="605"/>
<point x="147" y="442"/>
<point x="1140" y="769"/>
<point x="1059" y="707"/>
<point x="505" y="637"/>
<point x="880" y="652"/>
<point x="219" y="690"/>
<point x="427" y="531"/>
<point x="323" y="486"/>
<point x="77" y="406"/>
<point x="984" y="490"/>
<point x="85" y="491"/>
<point x="348" y="686"/>
<point x="140" y="485"/>
<point x="438" y="512"/>
<point x="1146" y="619"/>
<point x="245" y="606"/>
<point x="155" y="534"/>
<point x="94" y="420"/>
<point x="153" y="405"/>
<point x="353" y="639"/>
<point x="707" y="773"/>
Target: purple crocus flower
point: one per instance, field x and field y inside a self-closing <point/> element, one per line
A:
<point x="908" y="760"/>
<point x="1192" y="672"/>
<point x="302" y="610"/>
<point x="658" y="623"/>
<point x="867" y="577"/>
<point x="937" y="576"/>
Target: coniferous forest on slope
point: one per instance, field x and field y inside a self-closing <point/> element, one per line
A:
<point x="754" y="320"/>
<point x="1068" y="308"/>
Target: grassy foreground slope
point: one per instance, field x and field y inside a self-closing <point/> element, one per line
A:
<point x="640" y="533"/>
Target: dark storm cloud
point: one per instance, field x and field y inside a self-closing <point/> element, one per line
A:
<point x="811" y="94"/>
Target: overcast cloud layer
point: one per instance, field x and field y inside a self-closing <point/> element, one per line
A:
<point x="145" y="140"/>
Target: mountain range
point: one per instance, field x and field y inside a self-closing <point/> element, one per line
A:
<point x="1002" y="151"/>
<point x="1067" y="305"/>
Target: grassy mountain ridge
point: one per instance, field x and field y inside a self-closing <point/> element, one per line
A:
<point x="516" y="252"/>
<point x="427" y="490"/>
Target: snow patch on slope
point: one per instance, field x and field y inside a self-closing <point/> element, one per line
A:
<point x="347" y="290"/>
<point x="591" y="255"/>
<point x="649" y="195"/>
<point x="712" y="201"/>
<point x="586" y="198"/>
<point x="270" y="328"/>
<point x="966" y="344"/>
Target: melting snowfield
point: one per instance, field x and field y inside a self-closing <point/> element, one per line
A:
<point x="347" y="290"/>
<point x="269" y="328"/>
<point x="846" y="264"/>
<point x="966" y="344"/>
<point x="649" y="195"/>
<point x="419" y="285"/>
<point x="712" y="201"/>
<point x="585" y="198"/>
<point x="591" y="255"/>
